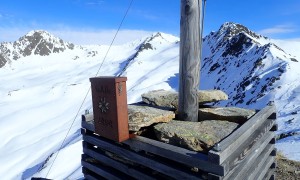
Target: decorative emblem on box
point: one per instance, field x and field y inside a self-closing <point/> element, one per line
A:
<point x="103" y="105"/>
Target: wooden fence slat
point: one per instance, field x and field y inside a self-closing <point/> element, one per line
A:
<point x="255" y="169"/>
<point x="259" y="152"/>
<point x="184" y="156"/>
<point x="116" y="165"/>
<point x="99" y="171"/>
<point x="139" y="159"/>
<point x="270" y="173"/>
<point x="87" y="117"/>
<point x="89" y="177"/>
<point x="265" y="167"/>
<point x="89" y="125"/>
<point x="242" y="170"/>
<point x="230" y="143"/>
<point x="259" y="136"/>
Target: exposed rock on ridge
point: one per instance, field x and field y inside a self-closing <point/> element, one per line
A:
<point x="34" y="43"/>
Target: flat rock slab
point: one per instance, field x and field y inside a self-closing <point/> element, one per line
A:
<point x="141" y="115"/>
<point x="196" y="136"/>
<point x="170" y="98"/>
<point x="233" y="114"/>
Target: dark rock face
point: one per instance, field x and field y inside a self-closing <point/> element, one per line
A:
<point x="237" y="44"/>
<point x="195" y="136"/>
<point x="238" y="62"/>
<point x="2" y="61"/>
<point x="42" y="43"/>
<point x="35" y="42"/>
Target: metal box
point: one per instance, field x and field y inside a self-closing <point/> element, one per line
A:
<point x="110" y="107"/>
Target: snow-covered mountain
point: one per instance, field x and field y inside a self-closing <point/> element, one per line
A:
<point x="34" y="43"/>
<point x="44" y="81"/>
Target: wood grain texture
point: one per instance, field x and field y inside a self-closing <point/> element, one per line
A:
<point x="229" y="144"/>
<point x="100" y="171"/>
<point x="184" y="156"/>
<point x="257" y="140"/>
<point x="247" y="167"/>
<point x="189" y="59"/>
<point x="139" y="159"/>
<point x="115" y="164"/>
<point x="265" y="168"/>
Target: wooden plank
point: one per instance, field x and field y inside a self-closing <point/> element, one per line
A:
<point x="89" y="177"/>
<point x="242" y="170"/>
<point x="116" y="165"/>
<point x="229" y="144"/>
<point x="214" y="177"/>
<point x="184" y="156"/>
<point x="260" y="149"/>
<point x="88" y="124"/>
<point x="258" y="139"/>
<point x="256" y="168"/>
<point x="264" y="169"/>
<point x="106" y="173"/>
<point x="87" y="117"/>
<point x="139" y="159"/>
<point x="189" y="60"/>
<point x="88" y="174"/>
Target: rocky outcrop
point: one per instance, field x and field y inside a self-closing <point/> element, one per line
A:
<point x="37" y="42"/>
<point x="2" y="61"/>
<point x="170" y="99"/>
<point x="233" y="114"/>
<point x="141" y="115"/>
<point x="196" y="136"/>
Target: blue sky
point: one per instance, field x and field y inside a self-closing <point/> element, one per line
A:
<point x="95" y="21"/>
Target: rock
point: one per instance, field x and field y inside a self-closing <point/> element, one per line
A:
<point x="170" y="99"/>
<point x="196" y="136"/>
<point x="207" y="96"/>
<point x="161" y="98"/>
<point x="233" y="114"/>
<point x="141" y="115"/>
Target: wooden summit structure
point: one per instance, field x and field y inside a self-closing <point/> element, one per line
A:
<point x="110" y="152"/>
<point x="248" y="153"/>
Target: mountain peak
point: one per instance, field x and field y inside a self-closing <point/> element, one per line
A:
<point x="230" y="29"/>
<point x="36" y="32"/>
<point x="40" y="42"/>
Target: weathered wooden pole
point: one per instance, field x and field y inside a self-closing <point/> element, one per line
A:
<point x="189" y="67"/>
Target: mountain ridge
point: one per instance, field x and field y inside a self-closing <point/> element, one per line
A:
<point x="37" y="42"/>
<point x="45" y="90"/>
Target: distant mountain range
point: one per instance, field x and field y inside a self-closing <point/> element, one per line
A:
<point x="44" y="80"/>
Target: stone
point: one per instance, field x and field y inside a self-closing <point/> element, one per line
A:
<point x="143" y="115"/>
<point x="161" y="98"/>
<point x="170" y="98"/>
<point x="207" y="96"/>
<point x="233" y="114"/>
<point x="195" y="136"/>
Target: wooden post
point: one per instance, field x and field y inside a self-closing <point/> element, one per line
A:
<point x="189" y="67"/>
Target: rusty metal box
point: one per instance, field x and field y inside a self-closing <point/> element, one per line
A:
<point x="110" y="107"/>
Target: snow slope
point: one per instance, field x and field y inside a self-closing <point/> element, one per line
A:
<point x="42" y="89"/>
<point x="40" y="96"/>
